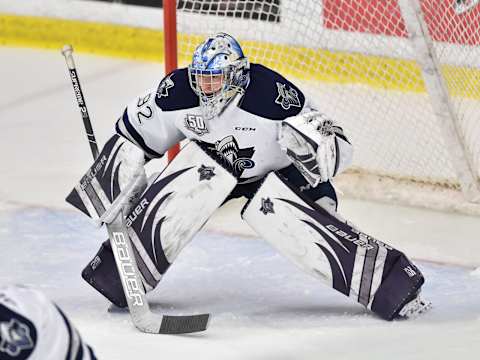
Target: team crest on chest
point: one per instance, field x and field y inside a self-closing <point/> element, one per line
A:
<point x="196" y="124"/>
<point x="14" y="337"/>
<point x="166" y="84"/>
<point x="287" y="97"/>
<point x="232" y="156"/>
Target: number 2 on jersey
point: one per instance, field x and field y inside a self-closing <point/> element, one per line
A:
<point x="144" y="112"/>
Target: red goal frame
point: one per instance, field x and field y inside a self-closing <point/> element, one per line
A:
<point x="170" y="49"/>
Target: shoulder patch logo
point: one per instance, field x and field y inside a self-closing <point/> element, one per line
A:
<point x="287" y="98"/>
<point x="166" y="84"/>
<point x="14" y="338"/>
<point x="196" y="124"/>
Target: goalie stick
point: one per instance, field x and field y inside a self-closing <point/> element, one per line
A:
<point x="142" y="317"/>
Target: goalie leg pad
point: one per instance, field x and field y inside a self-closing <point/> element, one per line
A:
<point x="325" y="246"/>
<point x="399" y="286"/>
<point x="115" y="176"/>
<point x="173" y="208"/>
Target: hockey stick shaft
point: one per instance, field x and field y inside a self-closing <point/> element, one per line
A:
<point x="142" y="317"/>
<point x="67" y="51"/>
<point x="122" y="248"/>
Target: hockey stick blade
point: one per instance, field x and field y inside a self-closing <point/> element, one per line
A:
<point x="170" y="324"/>
<point x="142" y="317"/>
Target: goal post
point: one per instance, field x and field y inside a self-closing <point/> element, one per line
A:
<point x="170" y="45"/>
<point x="440" y="98"/>
<point x="401" y="76"/>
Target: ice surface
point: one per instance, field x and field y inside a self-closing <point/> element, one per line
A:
<point x="262" y="306"/>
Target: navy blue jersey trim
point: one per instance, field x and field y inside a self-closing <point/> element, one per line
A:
<point x="70" y="334"/>
<point x="174" y="92"/>
<point x="119" y="131"/>
<point x="263" y="97"/>
<point x="137" y="137"/>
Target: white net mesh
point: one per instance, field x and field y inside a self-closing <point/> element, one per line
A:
<point x="355" y="59"/>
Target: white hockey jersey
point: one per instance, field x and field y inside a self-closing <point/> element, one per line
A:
<point x="243" y="137"/>
<point x="33" y="328"/>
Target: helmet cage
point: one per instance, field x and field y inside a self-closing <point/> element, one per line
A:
<point x="233" y="78"/>
<point x="219" y="70"/>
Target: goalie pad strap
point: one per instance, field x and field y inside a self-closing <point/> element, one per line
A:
<point x="328" y="248"/>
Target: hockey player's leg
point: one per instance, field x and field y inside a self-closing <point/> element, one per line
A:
<point x="372" y="273"/>
<point x="173" y="208"/>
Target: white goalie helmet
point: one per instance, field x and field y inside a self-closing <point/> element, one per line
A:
<point x="219" y="70"/>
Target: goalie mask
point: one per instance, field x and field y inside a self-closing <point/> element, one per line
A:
<point x="219" y="71"/>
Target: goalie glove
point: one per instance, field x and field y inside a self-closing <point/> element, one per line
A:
<point x="309" y="141"/>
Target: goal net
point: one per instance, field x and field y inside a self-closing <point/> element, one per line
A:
<point x="412" y="112"/>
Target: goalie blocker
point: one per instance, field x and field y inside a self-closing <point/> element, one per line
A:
<point x="161" y="221"/>
<point x="370" y="272"/>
